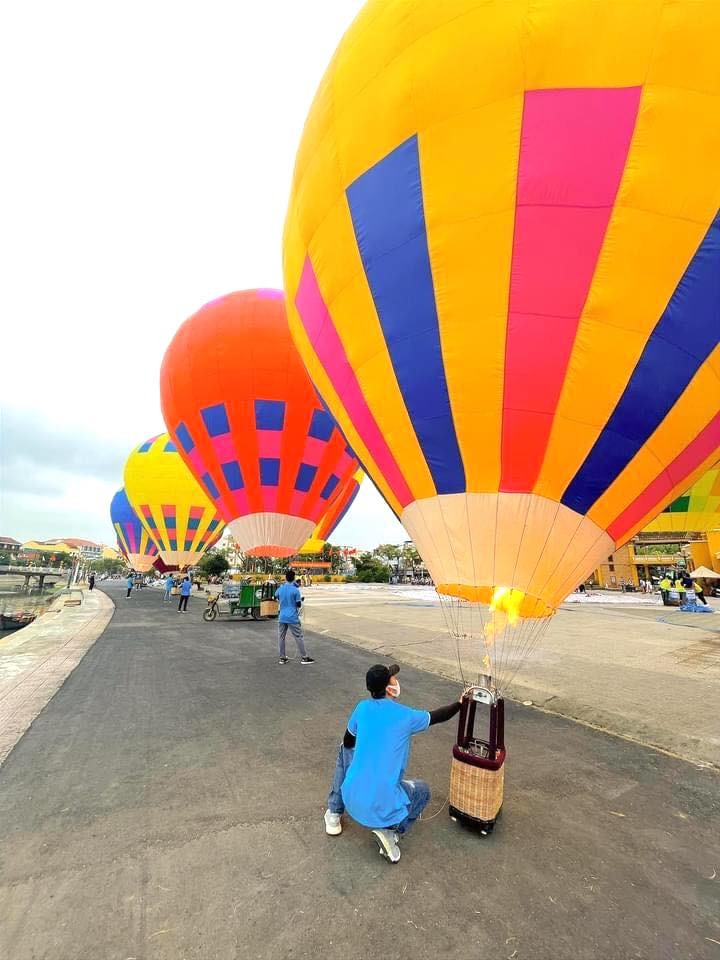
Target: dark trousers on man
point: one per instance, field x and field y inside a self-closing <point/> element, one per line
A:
<point x="183" y="604"/>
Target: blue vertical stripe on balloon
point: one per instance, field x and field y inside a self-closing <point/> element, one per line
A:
<point x="215" y="420"/>
<point x="683" y="338"/>
<point x="386" y="205"/>
<point x="183" y="435"/>
<point x="321" y="425"/>
<point x="269" y="414"/>
<point x="269" y="471"/>
<point x="233" y="475"/>
<point x="330" y="485"/>
<point x="305" y="476"/>
<point x="209" y="485"/>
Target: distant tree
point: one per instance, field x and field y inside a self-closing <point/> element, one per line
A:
<point x="388" y="551"/>
<point x="108" y="565"/>
<point x="333" y="556"/>
<point x="369" y="569"/>
<point x="409" y="556"/>
<point x="213" y="564"/>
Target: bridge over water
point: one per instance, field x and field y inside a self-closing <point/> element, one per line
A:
<point x="29" y="573"/>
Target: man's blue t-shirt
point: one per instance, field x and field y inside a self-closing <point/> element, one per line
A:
<point x="371" y="791"/>
<point x="169" y="583"/>
<point x="288" y="597"/>
<point x="185" y="588"/>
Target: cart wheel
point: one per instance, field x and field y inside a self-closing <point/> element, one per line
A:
<point x="255" y="613"/>
<point x="210" y="614"/>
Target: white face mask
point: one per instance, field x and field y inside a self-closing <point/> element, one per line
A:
<point x="393" y="690"/>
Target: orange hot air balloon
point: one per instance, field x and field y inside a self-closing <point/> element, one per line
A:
<point x="335" y="515"/>
<point x="249" y="424"/>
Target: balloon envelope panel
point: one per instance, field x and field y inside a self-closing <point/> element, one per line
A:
<point x="134" y="541"/>
<point x="502" y="269"/>
<point x="335" y="515"/>
<point x="250" y="425"/>
<point x="697" y="510"/>
<point x="172" y="507"/>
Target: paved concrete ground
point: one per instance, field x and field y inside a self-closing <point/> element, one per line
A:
<point x="168" y="803"/>
<point x="35" y="661"/>
<point x="633" y="667"/>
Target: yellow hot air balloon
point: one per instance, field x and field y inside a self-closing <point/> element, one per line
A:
<point x="502" y="272"/>
<point x="171" y="505"/>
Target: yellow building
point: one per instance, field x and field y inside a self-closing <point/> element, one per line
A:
<point x="47" y="546"/>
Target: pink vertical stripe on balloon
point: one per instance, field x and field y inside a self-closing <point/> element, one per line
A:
<point x="573" y="150"/>
<point x="331" y="353"/>
<point x="653" y="497"/>
<point x="224" y="448"/>
<point x="313" y="451"/>
<point x="269" y="443"/>
<point x="199" y="468"/>
<point x="297" y="501"/>
<point x="269" y="498"/>
<point x="242" y="505"/>
<point x="130" y="537"/>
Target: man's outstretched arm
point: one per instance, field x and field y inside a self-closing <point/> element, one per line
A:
<point x="444" y="713"/>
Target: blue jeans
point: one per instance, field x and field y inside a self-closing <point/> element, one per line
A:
<point x="419" y="796"/>
<point x="418" y="792"/>
<point x="335" y="800"/>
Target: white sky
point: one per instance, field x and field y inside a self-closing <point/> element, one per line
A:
<point x="148" y="150"/>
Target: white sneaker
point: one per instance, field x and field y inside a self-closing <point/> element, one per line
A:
<point x="387" y="842"/>
<point x="333" y="825"/>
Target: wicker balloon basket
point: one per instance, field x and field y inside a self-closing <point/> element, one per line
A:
<point x="477" y="772"/>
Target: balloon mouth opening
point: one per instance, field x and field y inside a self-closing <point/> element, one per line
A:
<point x="515" y="604"/>
<point x="270" y="550"/>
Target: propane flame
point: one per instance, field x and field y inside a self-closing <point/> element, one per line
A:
<point x="505" y="609"/>
<point x="509" y="602"/>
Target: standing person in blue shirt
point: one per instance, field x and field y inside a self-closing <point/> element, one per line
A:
<point x="130" y="581"/>
<point x="289" y="603"/>
<point x="371" y="781"/>
<point x="185" y="588"/>
<point x="169" y="584"/>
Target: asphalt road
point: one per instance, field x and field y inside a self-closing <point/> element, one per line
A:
<point x="168" y="803"/>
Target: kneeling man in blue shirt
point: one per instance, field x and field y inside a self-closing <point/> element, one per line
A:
<point x="369" y="774"/>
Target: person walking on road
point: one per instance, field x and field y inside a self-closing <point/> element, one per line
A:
<point x="129" y="582"/>
<point x="185" y="588"/>
<point x="169" y="584"/>
<point x="289" y="603"/>
<point x="91" y="581"/>
<point x="372" y="786"/>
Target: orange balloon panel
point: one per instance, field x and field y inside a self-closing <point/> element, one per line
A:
<point x="249" y="424"/>
<point x="334" y="517"/>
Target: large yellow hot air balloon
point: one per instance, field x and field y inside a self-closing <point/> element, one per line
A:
<point x="172" y="507"/>
<point x="502" y="270"/>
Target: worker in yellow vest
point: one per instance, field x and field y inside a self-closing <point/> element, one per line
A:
<point x="665" y="587"/>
